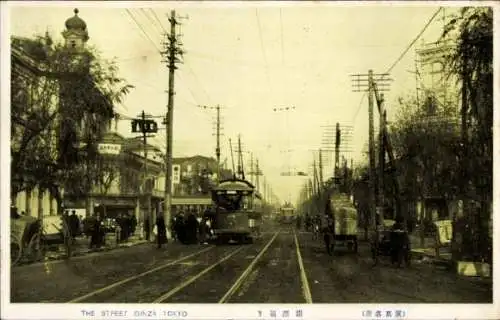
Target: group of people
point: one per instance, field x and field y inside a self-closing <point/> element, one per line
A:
<point x="127" y="225"/>
<point x="188" y="230"/>
<point x="74" y="223"/>
<point x="185" y="228"/>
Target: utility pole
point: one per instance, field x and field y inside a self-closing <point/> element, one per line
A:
<point x="232" y="157"/>
<point x="252" y="173"/>
<point x="264" y="191"/>
<point x="320" y="169"/>
<point x="218" y="135"/>
<point x="257" y="182"/>
<point x="217" y="148"/>
<point x="381" y="160"/>
<point x="371" y="150"/>
<point x="333" y="144"/>
<point x="337" y="150"/>
<point x="241" y="170"/>
<point x="172" y="50"/>
<point x="368" y="84"/>
<point x="145" y="190"/>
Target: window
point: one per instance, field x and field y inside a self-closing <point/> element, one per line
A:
<point x="233" y="201"/>
<point x="73" y="44"/>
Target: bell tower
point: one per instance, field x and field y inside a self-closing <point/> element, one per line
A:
<point x="76" y="34"/>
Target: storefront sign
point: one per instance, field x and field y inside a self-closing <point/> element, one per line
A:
<point x="176" y="174"/>
<point x="108" y="148"/>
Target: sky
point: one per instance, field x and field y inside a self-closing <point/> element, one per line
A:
<point x="251" y="59"/>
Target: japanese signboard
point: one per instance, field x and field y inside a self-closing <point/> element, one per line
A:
<point x="108" y="148"/>
<point x="144" y="126"/>
<point x="176" y="174"/>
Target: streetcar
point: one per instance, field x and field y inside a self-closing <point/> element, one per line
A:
<point x="238" y="211"/>
<point x="287" y="215"/>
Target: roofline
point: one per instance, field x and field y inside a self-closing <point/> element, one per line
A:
<point x="248" y="183"/>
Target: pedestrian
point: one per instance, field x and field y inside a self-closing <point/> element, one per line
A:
<point x="192" y="228"/>
<point x="13" y="213"/>
<point x="124" y="227"/>
<point x="74" y="224"/>
<point x="299" y="222"/>
<point x="147" y="227"/>
<point x="399" y="243"/>
<point x="133" y="224"/>
<point x="203" y="230"/>
<point x="328" y="233"/>
<point x="173" y="221"/>
<point x="161" y="231"/>
<point x="180" y="228"/>
<point x="95" y="226"/>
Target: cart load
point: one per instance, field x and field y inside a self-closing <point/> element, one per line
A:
<point x="345" y="217"/>
<point x="23" y="228"/>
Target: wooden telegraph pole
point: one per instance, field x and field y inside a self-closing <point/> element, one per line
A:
<point x="372" y="84"/>
<point x="172" y="51"/>
<point x="218" y="135"/>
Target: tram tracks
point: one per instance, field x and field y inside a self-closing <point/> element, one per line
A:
<point x="143" y="286"/>
<point x="141" y="275"/>
<point x="217" y="274"/>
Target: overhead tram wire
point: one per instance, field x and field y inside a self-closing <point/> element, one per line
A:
<point x="282" y="44"/>
<point x="262" y="47"/>
<point x="158" y="19"/>
<point x="138" y="24"/>
<point x="197" y="80"/>
<point x="151" y="20"/>
<point x="143" y="31"/>
<point x="403" y="54"/>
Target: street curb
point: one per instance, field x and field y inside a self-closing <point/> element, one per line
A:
<point x="80" y="254"/>
<point x="432" y="259"/>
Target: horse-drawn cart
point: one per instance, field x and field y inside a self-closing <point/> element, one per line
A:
<point x="344" y="230"/>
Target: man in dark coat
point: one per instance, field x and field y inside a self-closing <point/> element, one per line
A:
<point x="146" y="227"/>
<point x="96" y="237"/>
<point x="133" y="224"/>
<point x="162" y="230"/>
<point x="180" y="228"/>
<point x="399" y="243"/>
<point x="74" y="224"/>
<point x="192" y="229"/>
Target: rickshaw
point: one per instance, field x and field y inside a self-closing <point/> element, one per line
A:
<point x="31" y="237"/>
<point x="392" y="242"/>
<point x="25" y="238"/>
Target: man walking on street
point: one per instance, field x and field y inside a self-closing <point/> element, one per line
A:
<point x="162" y="231"/>
<point x="74" y="225"/>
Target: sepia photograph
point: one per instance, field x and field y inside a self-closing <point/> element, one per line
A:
<point x="248" y="153"/>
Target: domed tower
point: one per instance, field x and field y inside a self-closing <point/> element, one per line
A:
<point x="76" y="34"/>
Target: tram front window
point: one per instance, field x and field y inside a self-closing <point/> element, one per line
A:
<point x="233" y="202"/>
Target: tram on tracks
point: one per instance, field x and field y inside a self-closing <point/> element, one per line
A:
<point x="287" y="215"/>
<point x="238" y="211"/>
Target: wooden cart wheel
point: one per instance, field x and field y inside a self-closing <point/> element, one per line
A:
<point x="16" y="252"/>
<point x="36" y="247"/>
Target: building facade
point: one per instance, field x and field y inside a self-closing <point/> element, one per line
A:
<point x="40" y="92"/>
<point x="28" y="78"/>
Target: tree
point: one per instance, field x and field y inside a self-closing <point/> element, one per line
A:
<point x="472" y="63"/>
<point x="59" y="113"/>
<point x="425" y="139"/>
